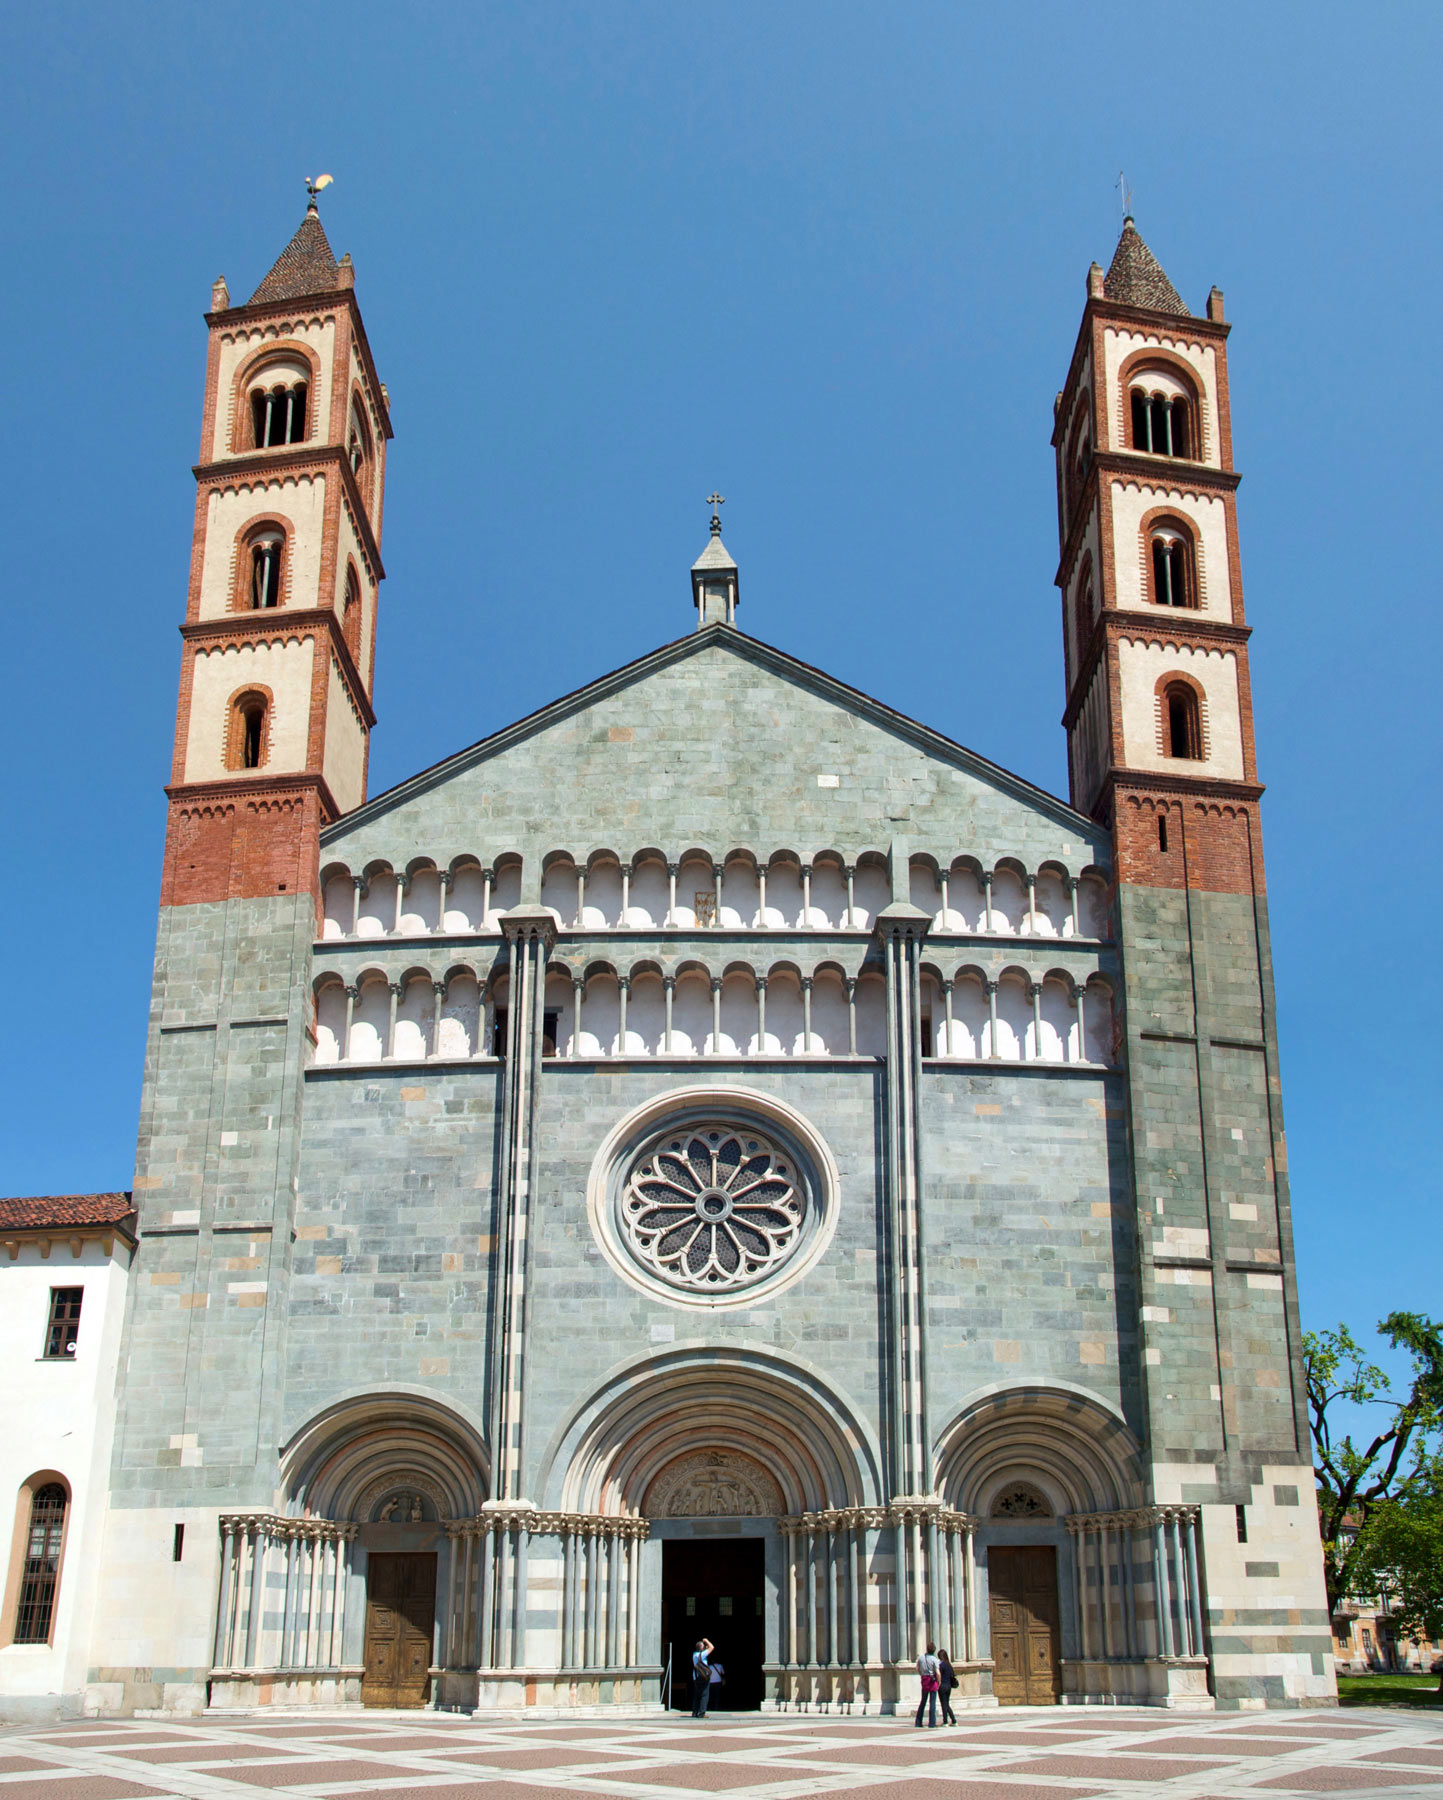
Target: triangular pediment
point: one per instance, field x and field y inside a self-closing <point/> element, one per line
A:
<point x="715" y="740"/>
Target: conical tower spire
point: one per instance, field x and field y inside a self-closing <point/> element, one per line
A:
<point x="1136" y="277"/>
<point x="307" y="265"/>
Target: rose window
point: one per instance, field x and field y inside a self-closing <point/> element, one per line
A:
<point x="713" y="1206"/>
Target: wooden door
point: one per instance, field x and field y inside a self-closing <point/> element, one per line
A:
<point x="400" y="1616"/>
<point x="1026" y="1652"/>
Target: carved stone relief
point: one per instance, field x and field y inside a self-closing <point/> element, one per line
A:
<point x="713" y="1484"/>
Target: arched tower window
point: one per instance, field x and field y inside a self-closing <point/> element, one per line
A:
<point x="1161" y="423"/>
<point x="351" y="614"/>
<point x="1174" y="567"/>
<point x="40" y="1578"/>
<point x="358" y="446"/>
<point x="247" y="744"/>
<point x="278" y="415"/>
<point x="267" y="558"/>
<point x="1182" y="722"/>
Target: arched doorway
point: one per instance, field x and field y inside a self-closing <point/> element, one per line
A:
<point x="739" y="1462"/>
<point x="1051" y="1476"/>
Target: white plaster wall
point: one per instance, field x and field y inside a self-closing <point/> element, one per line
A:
<point x="1141" y="666"/>
<point x="1118" y="345"/>
<point x="300" y="499"/>
<point x="153" y="1612"/>
<point x="284" y="668"/>
<point x="1207" y="513"/>
<point x="59" y="1415"/>
<point x="344" y="754"/>
<point x="236" y="348"/>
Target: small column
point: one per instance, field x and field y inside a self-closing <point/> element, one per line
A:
<point x="633" y="1595"/>
<point x="851" y="986"/>
<point x="1072" y="904"/>
<point x="943" y="879"/>
<point x="1034" y="989"/>
<point x="390" y="1048"/>
<point x="671" y="875"/>
<point x="225" y="1612"/>
<point x="717" y="875"/>
<point x="716" y="988"/>
<point x="580" y="898"/>
<point x="1104" y="1588"/>
<point x="991" y="987"/>
<point x="861" y="1591"/>
<point x="486" y="879"/>
<point x="761" y="981"/>
<point x="1160" y="1585"/>
<point x="351" y="993"/>
<point x="438" y="989"/>
<point x="443" y="883"/>
<point x="1131" y="1645"/>
<point x="578" y="990"/>
<point x="806" y="896"/>
<point x="402" y="883"/>
<point x="625" y="895"/>
<point x="623" y="984"/>
<point x="806" y="1015"/>
<point x="341" y="1563"/>
<point x="668" y="990"/>
<point x="762" y="896"/>
<point x="829" y="1596"/>
<point x="259" y="1542"/>
<point x="935" y="1613"/>
<point x="486" y="1655"/>
<point x="851" y="897"/>
<point x="949" y="982"/>
<point x="359" y="882"/>
<point x="1194" y="1585"/>
<point x="987" y="924"/>
<point x="568" y="1599"/>
<point x="1031" y="902"/>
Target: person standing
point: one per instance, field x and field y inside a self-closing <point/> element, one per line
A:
<point x="946" y="1681"/>
<point x="701" y="1677"/>
<point x="930" y="1670"/>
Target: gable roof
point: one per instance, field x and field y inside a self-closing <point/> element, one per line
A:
<point x="61" y="1212"/>
<point x="766" y="656"/>
<point x="1136" y="278"/>
<point x="307" y="265"/>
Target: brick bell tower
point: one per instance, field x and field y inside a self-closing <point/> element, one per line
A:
<point x="274" y="719"/>
<point x="271" y="743"/>
<point x="1160" y="747"/>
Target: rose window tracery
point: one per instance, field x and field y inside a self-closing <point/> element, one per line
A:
<point x="716" y="1205"/>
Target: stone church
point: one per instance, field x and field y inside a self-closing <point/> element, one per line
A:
<point x="716" y="1157"/>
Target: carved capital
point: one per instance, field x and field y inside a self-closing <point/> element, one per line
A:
<point x="523" y="924"/>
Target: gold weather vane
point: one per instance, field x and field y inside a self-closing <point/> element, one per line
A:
<point x="314" y="187"/>
<point x="714" y="501"/>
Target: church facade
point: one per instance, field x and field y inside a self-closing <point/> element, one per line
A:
<point x="716" y="1157"/>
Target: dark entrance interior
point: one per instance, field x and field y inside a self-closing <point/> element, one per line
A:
<point x="715" y="1588"/>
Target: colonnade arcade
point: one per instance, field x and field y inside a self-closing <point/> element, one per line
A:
<point x="557" y="1600"/>
<point x="737" y="891"/>
<point x="453" y="1011"/>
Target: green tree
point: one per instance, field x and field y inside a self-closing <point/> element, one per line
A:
<point x="1401" y="1559"/>
<point x="1355" y="1480"/>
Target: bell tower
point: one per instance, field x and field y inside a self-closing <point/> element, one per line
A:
<point x="274" y="718"/>
<point x="1160" y="748"/>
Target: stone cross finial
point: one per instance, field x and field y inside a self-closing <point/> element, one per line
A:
<point x="714" y="501"/>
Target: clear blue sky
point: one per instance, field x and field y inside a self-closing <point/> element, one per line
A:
<point x="828" y="258"/>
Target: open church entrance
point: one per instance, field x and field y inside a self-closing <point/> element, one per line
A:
<point x="715" y="1588"/>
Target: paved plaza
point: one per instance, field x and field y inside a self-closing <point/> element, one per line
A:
<point x="1036" y="1754"/>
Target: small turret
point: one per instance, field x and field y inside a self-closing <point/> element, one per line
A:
<point x="714" y="576"/>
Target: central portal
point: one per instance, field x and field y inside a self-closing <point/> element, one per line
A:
<point x="715" y="1588"/>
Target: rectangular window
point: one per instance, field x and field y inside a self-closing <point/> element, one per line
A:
<point x="550" y="1026"/>
<point x="63" y="1331"/>
<point x="177" y="1549"/>
<point x="1242" y="1513"/>
<point x="926" y="1035"/>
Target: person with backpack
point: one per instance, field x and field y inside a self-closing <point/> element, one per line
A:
<point x="701" y="1677"/>
<point x="946" y="1682"/>
<point x="930" y="1670"/>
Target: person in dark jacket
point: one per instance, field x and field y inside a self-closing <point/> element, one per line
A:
<point x="946" y="1681"/>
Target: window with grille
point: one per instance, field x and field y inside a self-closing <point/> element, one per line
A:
<point x="63" y="1330"/>
<point x="41" y="1574"/>
<point x="279" y="416"/>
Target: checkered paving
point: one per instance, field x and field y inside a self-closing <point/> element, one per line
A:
<point x="1020" y="1755"/>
